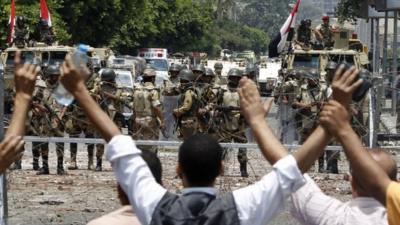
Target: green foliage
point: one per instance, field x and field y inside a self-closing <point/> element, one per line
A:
<point x="348" y="10"/>
<point x="179" y="25"/>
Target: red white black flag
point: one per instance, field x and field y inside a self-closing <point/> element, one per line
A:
<point x="44" y="12"/>
<point x="277" y="45"/>
<point x="11" y="23"/>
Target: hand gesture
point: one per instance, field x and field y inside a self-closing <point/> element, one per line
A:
<point x="250" y="102"/>
<point x="73" y="78"/>
<point x="335" y="118"/>
<point x="10" y="151"/>
<point x="343" y="85"/>
<point x="24" y="77"/>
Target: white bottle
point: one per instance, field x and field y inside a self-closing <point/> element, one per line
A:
<point x="79" y="59"/>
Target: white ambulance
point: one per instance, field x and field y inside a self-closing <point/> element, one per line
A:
<point x="158" y="58"/>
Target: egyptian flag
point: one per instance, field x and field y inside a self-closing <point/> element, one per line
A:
<point x="278" y="43"/>
<point x="11" y="23"/>
<point x="44" y="12"/>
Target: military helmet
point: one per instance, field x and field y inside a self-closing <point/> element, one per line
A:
<point x="303" y="22"/>
<point x="235" y="72"/>
<point x="199" y="67"/>
<point x="108" y="75"/>
<point x="250" y="68"/>
<point x="210" y="72"/>
<point x="149" y="73"/>
<point x="175" y="68"/>
<point x="218" y="65"/>
<point x="313" y="73"/>
<point x="186" y="75"/>
<point x="53" y="69"/>
<point x="331" y="65"/>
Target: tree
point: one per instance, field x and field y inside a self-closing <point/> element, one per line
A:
<point x="348" y="10"/>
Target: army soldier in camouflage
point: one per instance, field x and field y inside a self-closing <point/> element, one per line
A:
<point x="233" y="124"/>
<point x="54" y="122"/>
<point x="149" y="119"/>
<point x="186" y="112"/>
<point x="308" y="100"/>
<point x="303" y="39"/>
<point x="170" y="97"/>
<point x="218" y="74"/>
<point x="325" y="33"/>
<point x="208" y="102"/>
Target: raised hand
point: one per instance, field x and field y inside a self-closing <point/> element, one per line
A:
<point x="250" y="102"/>
<point x="24" y="77"/>
<point x="73" y="78"/>
<point x="335" y="118"/>
<point x="10" y="151"/>
<point x="344" y="84"/>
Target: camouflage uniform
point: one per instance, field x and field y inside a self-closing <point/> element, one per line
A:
<point x="54" y="126"/>
<point x="325" y="30"/>
<point x="233" y="124"/>
<point x="146" y="100"/>
<point x="208" y="102"/>
<point x="219" y="79"/>
<point x="186" y="112"/>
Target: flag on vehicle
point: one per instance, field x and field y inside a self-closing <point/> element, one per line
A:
<point x="44" y="12"/>
<point x="11" y="23"/>
<point x="277" y="45"/>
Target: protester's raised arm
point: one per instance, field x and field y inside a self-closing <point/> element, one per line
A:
<point x="74" y="81"/>
<point x="255" y="111"/>
<point x="336" y="119"/>
<point x="24" y="78"/>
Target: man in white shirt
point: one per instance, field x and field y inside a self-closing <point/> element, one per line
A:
<point x="311" y="206"/>
<point x="200" y="162"/>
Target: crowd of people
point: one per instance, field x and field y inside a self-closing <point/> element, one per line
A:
<point x="376" y="192"/>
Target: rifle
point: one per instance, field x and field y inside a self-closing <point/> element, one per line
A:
<point x="226" y="109"/>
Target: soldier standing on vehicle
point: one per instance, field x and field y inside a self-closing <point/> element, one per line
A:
<point x="325" y="33"/>
<point x="303" y="39"/>
<point x="21" y="34"/>
<point x="170" y="97"/>
<point x="233" y="124"/>
<point x="186" y="112"/>
<point x="55" y="124"/>
<point x="149" y="119"/>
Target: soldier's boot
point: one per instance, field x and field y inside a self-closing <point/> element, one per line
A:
<point x="16" y="166"/>
<point x="243" y="169"/>
<point x="321" y="164"/>
<point x="36" y="155"/>
<point x="60" y="159"/>
<point x="99" y="156"/>
<point x="72" y="164"/>
<point x="332" y="162"/>
<point x="45" y="160"/>
<point x="90" y="156"/>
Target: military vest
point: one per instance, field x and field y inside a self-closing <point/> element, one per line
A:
<point x="326" y="32"/>
<point x="143" y="100"/>
<point x="195" y="103"/>
<point x="231" y="118"/>
<point x="196" y="209"/>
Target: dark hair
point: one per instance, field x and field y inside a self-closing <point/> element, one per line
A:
<point x="154" y="164"/>
<point x="200" y="158"/>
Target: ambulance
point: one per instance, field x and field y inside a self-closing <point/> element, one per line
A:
<point x="158" y="59"/>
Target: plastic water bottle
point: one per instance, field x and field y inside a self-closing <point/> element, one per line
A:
<point x="79" y="58"/>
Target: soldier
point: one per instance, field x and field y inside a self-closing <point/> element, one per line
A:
<point x="218" y="72"/>
<point x="148" y="113"/>
<point x="21" y="35"/>
<point x="208" y="101"/>
<point x="186" y="112"/>
<point x="308" y="98"/>
<point x="325" y="33"/>
<point x="233" y="128"/>
<point x="251" y="72"/>
<point x="46" y="32"/>
<point x="303" y="39"/>
<point x="170" y="97"/>
<point x="55" y="118"/>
